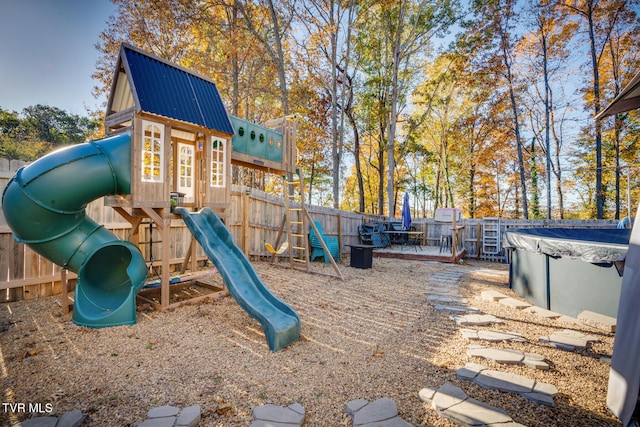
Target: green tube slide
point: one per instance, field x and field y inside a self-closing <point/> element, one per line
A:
<point x="44" y="205"/>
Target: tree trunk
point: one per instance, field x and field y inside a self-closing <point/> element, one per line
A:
<point x="523" y="182"/>
<point x="335" y="151"/>
<point x="356" y="155"/>
<point x="547" y="121"/>
<point x="596" y="106"/>
<point x="381" y="169"/>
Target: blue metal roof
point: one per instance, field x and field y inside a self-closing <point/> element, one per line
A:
<point x="166" y="89"/>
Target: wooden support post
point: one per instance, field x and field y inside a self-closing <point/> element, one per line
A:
<point x="185" y="262"/>
<point x="283" y="223"/>
<point x="165" y="294"/>
<point x="65" y="291"/>
<point x="193" y="250"/>
<point x="339" y="233"/>
<point x="134" y="236"/>
<point x="424" y="234"/>
<point x="157" y="215"/>
<point x="327" y="252"/>
<point x="479" y="240"/>
<point x="245" y="242"/>
<point x="454" y="235"/>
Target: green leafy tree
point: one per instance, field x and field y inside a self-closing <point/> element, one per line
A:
<point x="40" y="129"/>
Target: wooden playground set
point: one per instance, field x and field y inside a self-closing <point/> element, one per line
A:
<point x="167" y="155"/>
<point x="182" y="151"/>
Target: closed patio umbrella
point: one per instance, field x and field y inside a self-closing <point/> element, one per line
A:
<point x="406" y="212"/>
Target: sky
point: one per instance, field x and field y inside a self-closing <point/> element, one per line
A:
<point x="47" y="53"/>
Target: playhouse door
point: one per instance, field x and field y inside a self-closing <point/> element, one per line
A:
<point x="186" y="171"/>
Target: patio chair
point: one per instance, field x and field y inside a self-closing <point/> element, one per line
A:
<point x="372" y="234"/>
<point x="397" y="238"/>
<point x="316" y="247"/>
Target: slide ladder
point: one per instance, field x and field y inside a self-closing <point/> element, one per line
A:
<point x="296" y="222"/>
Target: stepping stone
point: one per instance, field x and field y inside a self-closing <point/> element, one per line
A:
<point x="446" y="299"/>
<point x="567" y="319"/>
<point x="490" y="335"/>
<point x="513" y="357"/>
<point x="163" y="411"/>
<point x="597" y="320"/>
<point x="492" y="296"/>
<point x="541" y="393"/>
<point x="456" y="308"/>
<point x="71" y="419"/>
<point x="38" y="422"/>
<point x="189" y="417"/>
<point x="509" y="356"/>
<point x="489" y="272"/>
<point x="158" y="422"/>
<point x="444" y="285"/>
<point x="475" y="319"/>
<point x="382" y="412"/>
<point x="441" y="294"/>
<point x="514" y="303"/>
<point x="452" y="403"/>
<point x="568" y="340"/>
<point x="547" y="314"/>
<point x="170" y="416"/>
<point x="278" y="416"/>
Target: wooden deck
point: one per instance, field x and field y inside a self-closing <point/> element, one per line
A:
<point x="419" y="253"/>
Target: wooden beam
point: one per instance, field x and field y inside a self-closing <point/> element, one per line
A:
<point x="327" y="252"/>
<point x="156" y="214"/>
<point x="245" y="224"/>
<point x="65" y="291"/>
<point x="19" y="283"/>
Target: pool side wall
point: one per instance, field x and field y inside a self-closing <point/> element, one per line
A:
<point x="565" y="285"/>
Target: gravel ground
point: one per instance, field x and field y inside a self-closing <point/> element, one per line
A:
<point x="370" y="336"/>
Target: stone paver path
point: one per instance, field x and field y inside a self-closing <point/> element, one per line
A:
<point x="456" y="308"/>
<point x="171" y="416"/>
<point x="514" y="303"/>
<point x="68" y="419"/>
<point x="475" y="319"/>
<point x="278" y="416"/>
<point x="509" y="356"/>
<point x="542" y="312"/>
<point x="568" y="340"/>
<point x="380" y="413"/>
<point x="446" y="300"/>
<point x="541" y="393"/>
<point x="491" y="335"/>
<point x="454" y="404"/>
<point x="598" y="320"/>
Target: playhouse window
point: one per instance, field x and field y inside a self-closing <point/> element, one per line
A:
<point x="152" y="152"/>
<point x="218" y="161"/>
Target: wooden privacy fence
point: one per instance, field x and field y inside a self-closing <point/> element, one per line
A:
<point x="254" y="219"/>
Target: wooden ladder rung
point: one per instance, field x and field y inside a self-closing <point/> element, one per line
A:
<point x="300" y="260"/>
<point x="300" y="248"/>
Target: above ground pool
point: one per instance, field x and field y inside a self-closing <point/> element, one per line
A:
<point x="567" y="270"/>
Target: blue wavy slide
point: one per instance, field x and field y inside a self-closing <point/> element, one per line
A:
<point x="281" y="324"/>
